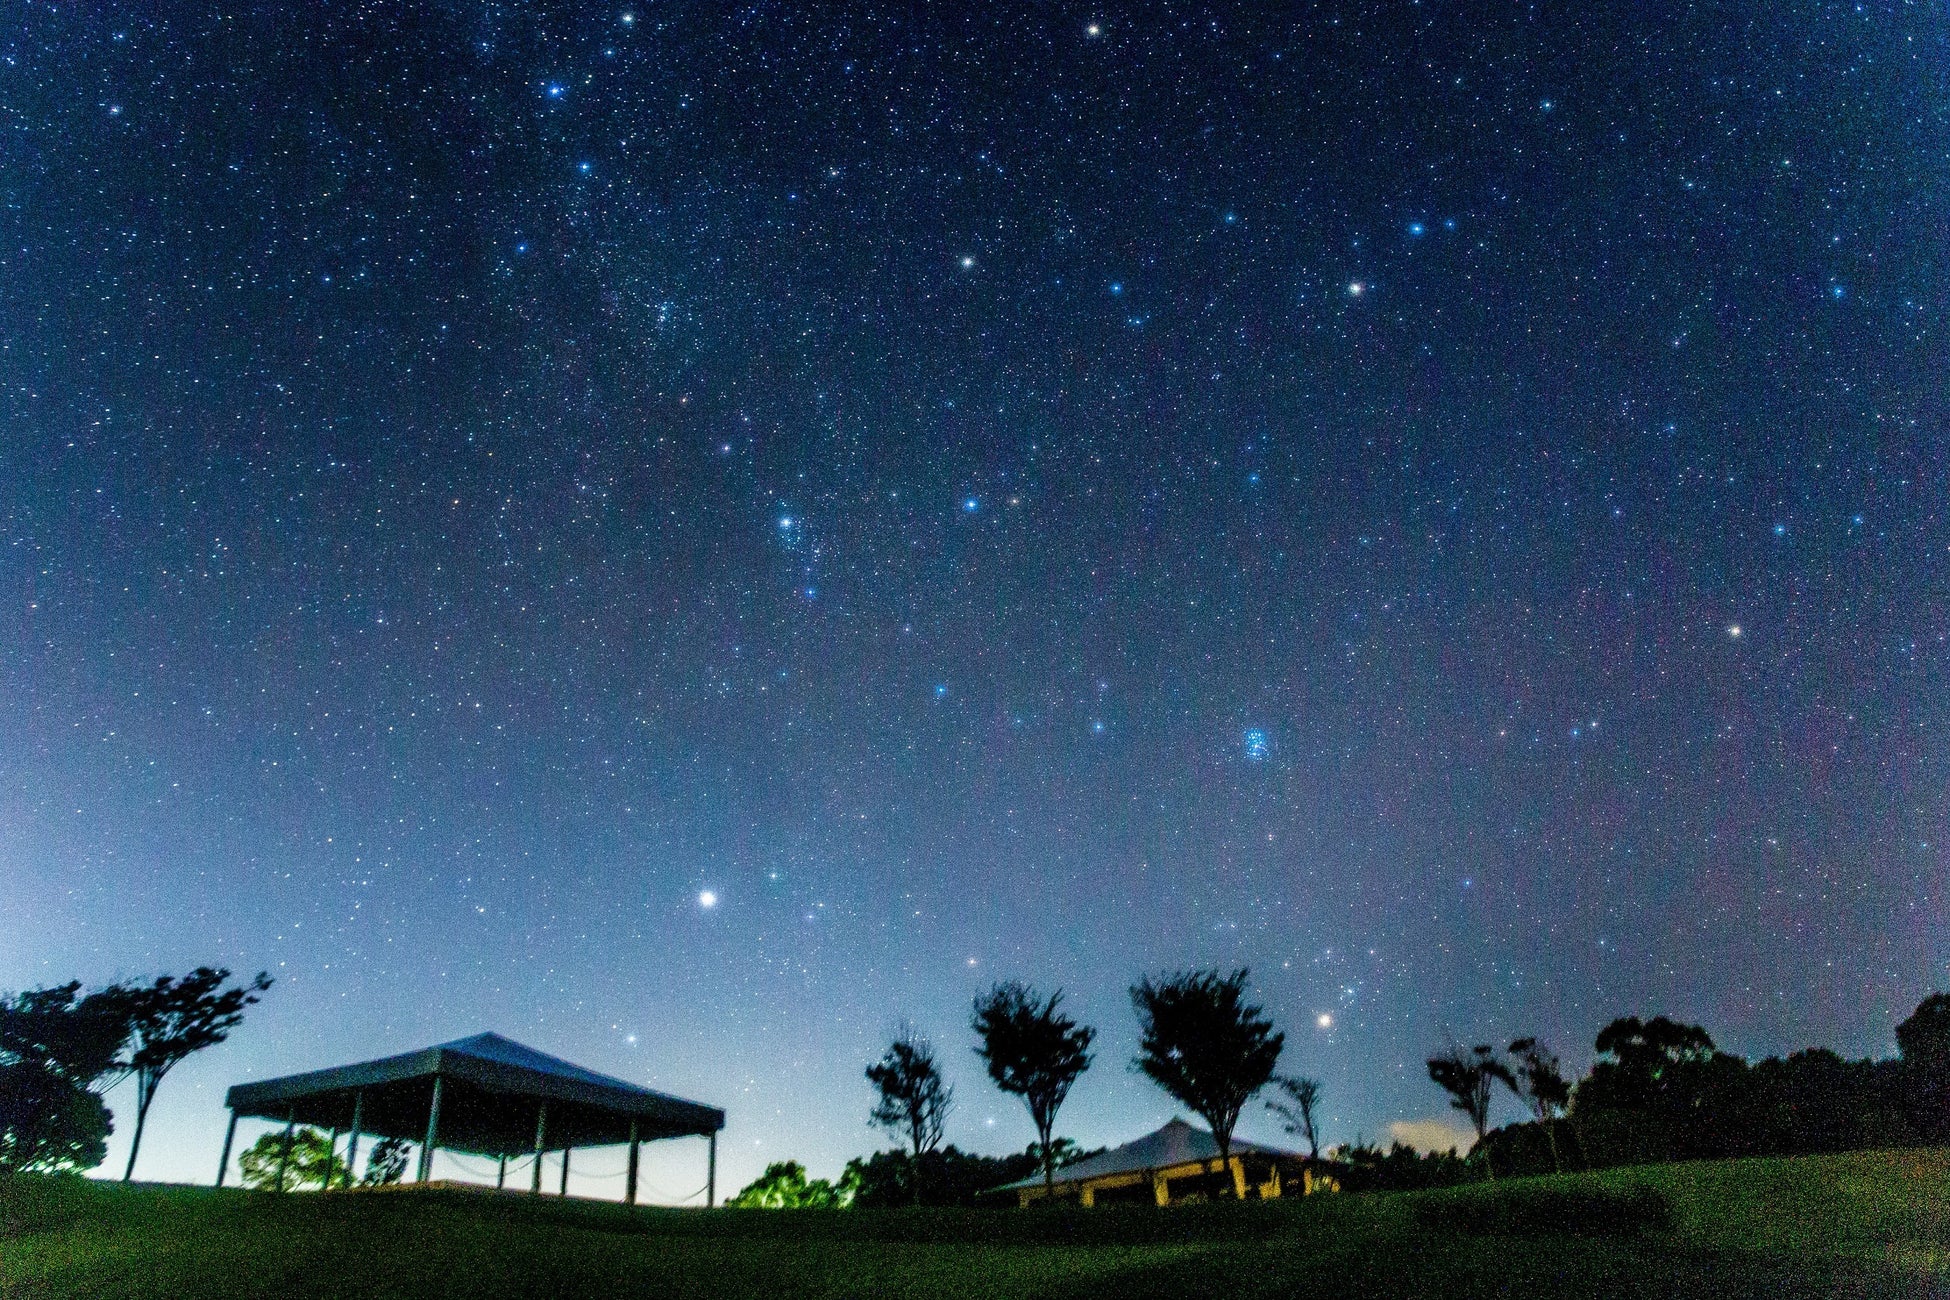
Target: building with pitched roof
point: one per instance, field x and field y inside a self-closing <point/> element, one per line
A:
<point x="1179" y="1162"/>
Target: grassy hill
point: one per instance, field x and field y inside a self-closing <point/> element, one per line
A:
<point x="1862" y="1224"/>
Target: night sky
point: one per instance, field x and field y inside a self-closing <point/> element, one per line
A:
<point x="689" y="535"/>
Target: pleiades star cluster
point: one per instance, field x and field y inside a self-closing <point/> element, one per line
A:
<point x="689" y="535"/>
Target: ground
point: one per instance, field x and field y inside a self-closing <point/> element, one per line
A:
<point x="1861" y="1224"/>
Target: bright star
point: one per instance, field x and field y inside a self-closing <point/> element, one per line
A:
<point x="970" y="505"/>
<point x="967" y="263"/>
<point x="706" y="898"/>
<point x="1733" y="630"/>
<point x="1416" y="228"/>
<point x="1324" y="1020"/>
<point x="1093" y="30"/>
<point x="1356" y="289"/>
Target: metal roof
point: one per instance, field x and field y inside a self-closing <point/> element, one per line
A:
<point x="1177" y="1143"/>
<point x="492" y="1089"/>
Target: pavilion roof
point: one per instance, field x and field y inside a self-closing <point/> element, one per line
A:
<point x="493" y="1090"/>
<point x="1177" y="1143"/>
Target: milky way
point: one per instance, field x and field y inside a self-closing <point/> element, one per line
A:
<point x="690" y="535"/>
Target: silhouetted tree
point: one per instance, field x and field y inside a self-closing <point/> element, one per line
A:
<point x="1202" y="1042"/>
<point x="172" y="1019"/>
<point x="1364" y="1167"/>
<point x="1297" y="1111"/>
<point x="1639" y="1058"/>
<point x="1661" y="1090"/>
<point x="914" y="1098"/>
<point x="1468" y="1075"/>
<point x="1535" y="1075"/>
<point x="1034" y="1051"/>
<point x="56" y="1049"/>
<point x="1924" y="1041"/>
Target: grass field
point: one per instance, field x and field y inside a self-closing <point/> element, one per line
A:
<point x="1863" y="1224"/>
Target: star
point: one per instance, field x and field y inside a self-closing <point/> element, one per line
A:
<point x="707" y="899"/>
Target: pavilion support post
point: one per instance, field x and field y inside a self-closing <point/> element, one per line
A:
<point x="501" y="1173"/>
<point x="331" y="1159"/>
<point x="352" y="1146"/>
<point x="433" y="1133"/>
<point x="563" y="1190"/>
<point x="711" y="1176"/>
<point x="541" y="1137"/>
<point x="284" y="1150"/>
<point x="629" y="1180"/>
<point x="229" y="1136"/>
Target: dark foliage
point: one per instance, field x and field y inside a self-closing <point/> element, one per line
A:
<point x="943" y="1176"/>
<point x="1202" y="1042"/>
<point x="47" y="1124"/>
<point x="173" y="1019"/>
<point x="1364" y="1167"/>
<point x="1034" y="1051"/>
<point x="1298" y="1111"/>
<point x="1661" y="1090"/>
<point x="1469" y="1075"/>
<point x="56" y="1048"/>
<point x="914" y="1100"/>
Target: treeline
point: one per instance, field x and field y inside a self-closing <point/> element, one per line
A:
<point x="1661" y="1090"/>
<point x="945" y="1175"/>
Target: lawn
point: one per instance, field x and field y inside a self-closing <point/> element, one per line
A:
<point x="1863" y="1224"/>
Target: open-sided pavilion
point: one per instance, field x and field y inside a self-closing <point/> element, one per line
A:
<point x="484" y="1095"/>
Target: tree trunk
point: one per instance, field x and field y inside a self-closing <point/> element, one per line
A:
<point x="144" y="1095"/>
<point x="1049" y="1168"/>
<point x="1550" y="1131"/>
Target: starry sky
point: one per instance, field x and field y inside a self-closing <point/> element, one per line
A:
<point x="1443" y="504"/>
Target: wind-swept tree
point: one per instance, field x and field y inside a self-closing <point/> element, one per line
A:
<point x="1467" y="1075"/>
<point x="1202" y="1042"/>
<point x="172" y="1019"/>
<point x="914" y="1098"/>
<point x="1298" y="1112"/>
<point x="1535" y="1075"/>
<point x="1034" y="1051"/>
